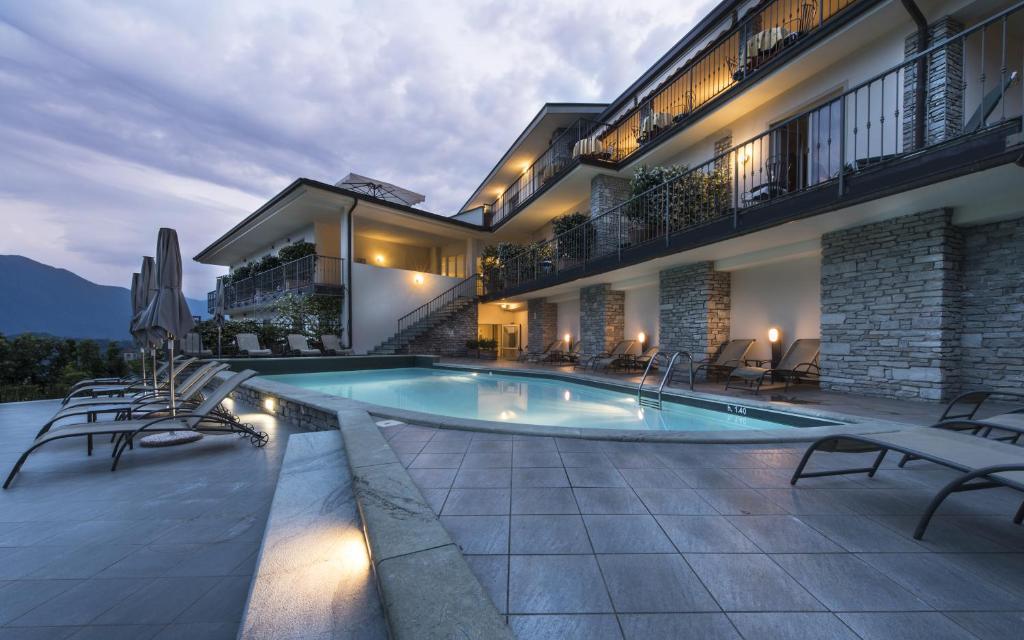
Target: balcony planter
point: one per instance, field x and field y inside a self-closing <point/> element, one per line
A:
<point x="486" y="349"/>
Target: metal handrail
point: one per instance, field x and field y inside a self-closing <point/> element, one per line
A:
<point x="464" y="289"/>
<point x="665" y="378"/>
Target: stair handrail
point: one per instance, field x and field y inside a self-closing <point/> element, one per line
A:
<point x="443" y="299"/>
<point x="666" y="377"/>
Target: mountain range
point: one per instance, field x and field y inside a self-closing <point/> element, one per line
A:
<point x="38" y="298"/>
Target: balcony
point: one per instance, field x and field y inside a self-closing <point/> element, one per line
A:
<point x="313" y="274"/>
<point x="744" y="52"/>
<point x="869" y="141"/>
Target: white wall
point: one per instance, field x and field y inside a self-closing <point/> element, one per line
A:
<point x="380" y="296"/>
<point x="786" y="295"/>
<point x="306" y="234"/>
<point x="642" y="314"/>
<point x="569" y="319"/>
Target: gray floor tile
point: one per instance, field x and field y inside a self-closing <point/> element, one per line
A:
<point x="1004" y="570"/>
<point x="435" y="498"/>
<point x="594" y="626"/>
<point x="651" y="583"/>
<point x="543" y="501"/>
<point x="36" y="633"/>
<point x="539" y="477"/>
<point x="627" y="534"/>
<point x="21" y="596"/>
<point x="843" y="582"/>
<point x="543" y="534"/>
<point x="536" y="459"/>
<point x="487" y="460"/>
<point x="492" y="573"/>
<point x="477" y="502"/>
<point x="556" y="584"/>
<point x="750" y="582"/>
<point x="159" y="602"/>
<point x="199" y="631"/>
<point x="118" y="632"/>
<point x="739" y="502"/>
<point x="940" y="583"/>
<point x="85" y="563"/>
<point x="478" y="535"/>
<point x="577" y="445"/>
<point x="705" y="534"/>
<point x="653" y="479"/>
<point x="860" y="534"/>
<point x="943" y="534"/>
<point x="437" y="461"/>
<point x="704" y="478"/>
<point x="705" y="626"/>
<point x="905" y="626"/>
<point x="609" y="501"/>
<point x="802" y="501"/>
<point x="783" y="534"/>
<point x="791" y="626"/>
<point x="990" y="625"/>
<point x="83" y="603"/>
<point x="223" y="603"/>
<point x="676" y="502"/>
<point x="483" y="479"/>
<point x="433" y="478"/>
<point x="593" y="460"/>
<point x="595" y="477"/>
<point x="490" y="446"/>
<point x="446" y="445"/>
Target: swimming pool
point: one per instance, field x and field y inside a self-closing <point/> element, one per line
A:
<point x="518" y="399"/>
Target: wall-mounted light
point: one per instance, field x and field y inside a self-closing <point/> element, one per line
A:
<point x="526" y="167"/>
<point x="418" y="278"/>
<point x="379" y="259"/>
<point x="269" y="404"/>
<point x="742" y="157"/>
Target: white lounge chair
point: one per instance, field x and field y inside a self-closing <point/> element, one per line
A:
<point x="299" y="346"/>
<point x="249" y="345"/>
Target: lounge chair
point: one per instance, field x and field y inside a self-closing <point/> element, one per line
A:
<point x="332" y="346"/>
<point x="573" y="355"/>
<point x="731" y="356"/>
<point x="557" y="353"/>
<point x="983" y="463"/>
<point x="299" y="346"/>
<point x="141" y="404"/>
<point x="99" y="390"/>
<point x="203" y="418"/>
<point x="193" y="345"/>
<point x="608" y="358"/>
<point x="249" y="345"/>
<point x="645" y="358"/>
<point x="125" y="380"/>
<point x="799" y="363"/>
<point x="537" y="357"/>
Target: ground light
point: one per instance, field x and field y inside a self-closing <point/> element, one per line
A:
<point x="775" y="338"/>
<point x="269" y="404"/>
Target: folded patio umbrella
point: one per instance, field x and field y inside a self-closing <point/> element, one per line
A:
<point x="167" y="316"/>
<point x="145" y="292"/>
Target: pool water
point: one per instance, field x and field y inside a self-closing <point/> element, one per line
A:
<point x="518" y="399"/>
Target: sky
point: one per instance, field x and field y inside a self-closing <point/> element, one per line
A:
<point x="117" y="118"/>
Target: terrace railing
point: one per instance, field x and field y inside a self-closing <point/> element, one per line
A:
<point x="549" y="166"/>
<point x="863" y="129"/>
<point x="306" y="275"/>
<point x="739" y="53"/>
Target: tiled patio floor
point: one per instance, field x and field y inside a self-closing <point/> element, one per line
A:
<point x="590" y="539"/>
<point x="163" y="548"/>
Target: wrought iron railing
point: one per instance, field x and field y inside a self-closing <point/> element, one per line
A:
<point x="463" y="291"/>
<point x="309" y="274"/>
<point x="557" y="157"/>
<point x="740" y="53"/>
<point x="864" y="128"/>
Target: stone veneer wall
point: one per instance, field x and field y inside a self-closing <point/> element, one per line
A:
<point x="300" y="415"/>
<point x="606" y="192"/>
<point x="992" y="340"/>
<point x="602" y="318"/>
<point x="694" y="303"/>
<point x="890" y="307"/>
<point x="944" y="95"/>
<point x="541" y="324"/>
<point x="449" y="337"/>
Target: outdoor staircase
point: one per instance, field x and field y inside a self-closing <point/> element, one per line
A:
<point x="419" y="321"/>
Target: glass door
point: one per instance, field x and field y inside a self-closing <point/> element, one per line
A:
<point x="510" y="334"/>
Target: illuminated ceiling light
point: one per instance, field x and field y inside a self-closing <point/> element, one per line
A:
<point x="379" y="259"/>
<point x="526" y="167"/>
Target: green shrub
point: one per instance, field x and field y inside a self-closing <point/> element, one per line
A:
<point x="472" y="345"/>
<point x="576" y="236"/>
<point x="487" y="345"/>
<point x="296" y="251"/>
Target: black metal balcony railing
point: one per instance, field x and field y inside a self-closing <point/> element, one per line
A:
<point x="740" y="53"/>
<point x="864" y="129"/>
<point x="306" y="275"/>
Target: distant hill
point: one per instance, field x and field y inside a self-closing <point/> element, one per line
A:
<point x="38" y="298"/>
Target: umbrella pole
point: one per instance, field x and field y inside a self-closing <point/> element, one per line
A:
<point x="153" y="352"/>
<point x="170" y="349"/>
<point x="143" y="366"/>
<point x="218" y="342"/>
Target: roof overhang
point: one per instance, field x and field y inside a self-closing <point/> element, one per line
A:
<point x="530" y="144"/>
<point x="305" y="202"/>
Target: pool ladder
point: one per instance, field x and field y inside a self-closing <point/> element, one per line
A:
<point x="655" y="401"/>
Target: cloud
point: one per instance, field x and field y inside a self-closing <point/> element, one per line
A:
<point x="119" y="117"/>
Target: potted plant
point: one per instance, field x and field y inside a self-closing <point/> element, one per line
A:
<point x="487" y="349"/>
<point x="473" y="348"/>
